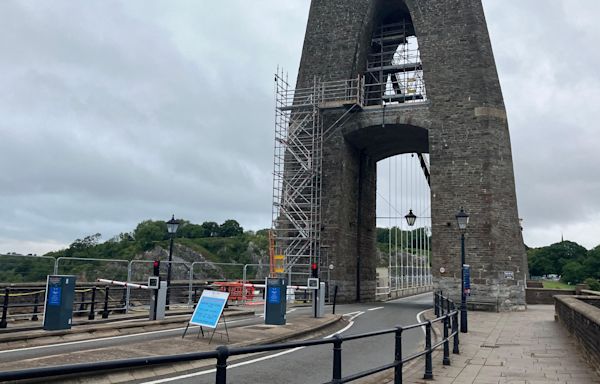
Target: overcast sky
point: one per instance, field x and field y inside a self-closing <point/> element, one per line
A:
<point x="113" y="112"/>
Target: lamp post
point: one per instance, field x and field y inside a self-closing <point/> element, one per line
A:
<point x="171" y="228"/>
<point x="462" y="218"/>
<point x="411" y="219"/>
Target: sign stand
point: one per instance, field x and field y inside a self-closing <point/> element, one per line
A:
<point x="208" y="312"/>
<point x="201" y="330"/>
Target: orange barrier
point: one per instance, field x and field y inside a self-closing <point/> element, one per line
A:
<point x="236" y="290"/>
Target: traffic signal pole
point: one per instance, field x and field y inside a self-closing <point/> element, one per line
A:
<point x="156" y="272"/>
<point x="314" y="267"/>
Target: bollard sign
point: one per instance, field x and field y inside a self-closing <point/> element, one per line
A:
<point x="274" y="295"/>
<point x="54" y="294"/>
<point x="467" y="275"/>
<point x="58" y="311"/>
<point x="467" y="278"/>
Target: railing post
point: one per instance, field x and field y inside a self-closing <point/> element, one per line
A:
<point x="36" y="302"/>
<point x="92" y="314"/>
<point x="128" y="295"/>
<point x="190" y="284"/>
<point x="436" y="303"/>
<point x="223" y="354"/>
<point x="335" y="290"/>
<point x="337" y="359"/>
<point x="4" y="322"/>
<point x="398" y="356"/>
<point x="82" y="303"/>
<point x="428" y="363"/>
<point x="455" y="344"/>
<point x="446" y="360"/>
<point x="124" y="300"/>
<point x="244" y="275"/>
<point x="105" y="311"/>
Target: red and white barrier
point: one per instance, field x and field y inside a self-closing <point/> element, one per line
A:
<point x="122" y="283"/>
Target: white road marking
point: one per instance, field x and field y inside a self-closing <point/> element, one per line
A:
<point x="292" y="310"/>
<point x="374" y="309"/>
<point x="419" y="319"/>
<point x="355" y="316"/>
<point x="105" y="338"/>
<point x="189" y="375"/>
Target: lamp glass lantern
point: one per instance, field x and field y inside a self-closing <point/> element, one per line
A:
<point x="410" y="218"/>
<point x="462" y="218"/>
<point x="172" y="225"/>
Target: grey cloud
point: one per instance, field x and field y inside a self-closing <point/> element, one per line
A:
<point x="114" y="112"/>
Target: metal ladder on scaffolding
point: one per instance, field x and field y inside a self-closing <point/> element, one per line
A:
<point x="299" y="137"/>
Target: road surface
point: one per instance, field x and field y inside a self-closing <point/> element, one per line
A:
<point x="314" y="364"/>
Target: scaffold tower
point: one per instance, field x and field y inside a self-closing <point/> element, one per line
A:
<point x="299" y="136"/>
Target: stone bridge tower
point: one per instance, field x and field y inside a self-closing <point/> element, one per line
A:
<point x="454" y="111"/>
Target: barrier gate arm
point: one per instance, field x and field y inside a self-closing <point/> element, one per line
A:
<point x="296" y="287"/>
<point x="123" y="283"/>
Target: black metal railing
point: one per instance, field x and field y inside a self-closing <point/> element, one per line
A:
<point x="442" y="304"/>
<point x="90" y="303"/>
<point x="448" y="320"/>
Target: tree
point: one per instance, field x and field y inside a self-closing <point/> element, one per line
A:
<point x="552" y="259"/>
<point x="148" y="232"/>
<point x="211" y="229"/>
<point x="592" y="283"/>
<point x="573" y="272"/>
<point x="88" y="241"/>
<point x="540" y="262"/>
<point x="230" y="228"/>
<point x="592" y="263"/>
<point x="191" y="231"/>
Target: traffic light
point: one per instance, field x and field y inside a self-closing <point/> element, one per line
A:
<point x="156" y="267"/>
<point x="314" y="267"/>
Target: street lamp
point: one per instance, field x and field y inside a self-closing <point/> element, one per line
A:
<point x="410" y="218"/>
<point x="462" y="218"/>
<point x="171" y="228"/>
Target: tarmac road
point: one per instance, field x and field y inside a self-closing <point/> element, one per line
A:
<point x="314" y="364"/>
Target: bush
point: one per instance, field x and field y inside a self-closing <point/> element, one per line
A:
<point x="593" y="284"/>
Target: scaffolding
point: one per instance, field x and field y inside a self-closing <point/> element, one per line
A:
<point x="394" y="75"/>
<point x="299" y="136"/>
<point x="394" y="69"/>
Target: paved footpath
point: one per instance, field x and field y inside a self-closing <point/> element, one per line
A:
<point x="516" y="347"/>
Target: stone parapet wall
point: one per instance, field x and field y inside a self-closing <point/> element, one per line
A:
<point x="544" y="295"/>
<point x="405" y="292"/>
<point x="587" y="292"/>
<point x="582" y="320"/>
<point x="496" y="296"/>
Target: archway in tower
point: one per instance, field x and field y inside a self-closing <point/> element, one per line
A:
<point x="403" y="225"/>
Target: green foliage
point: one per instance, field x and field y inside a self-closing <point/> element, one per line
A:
<point x="230" y="228"/>
<point x="573" y="272"/>
<point x="211" y="229"/>
<point x="414" y="242"/>
<point x="21" y="269"/>
<point x="568" y="259"/>
<point x="552" y="259"/>
<point x="592" y="283"/>
<point x="406" y="239"/>
<point x="148" y="232"/>
<point x="225" y="243"/>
